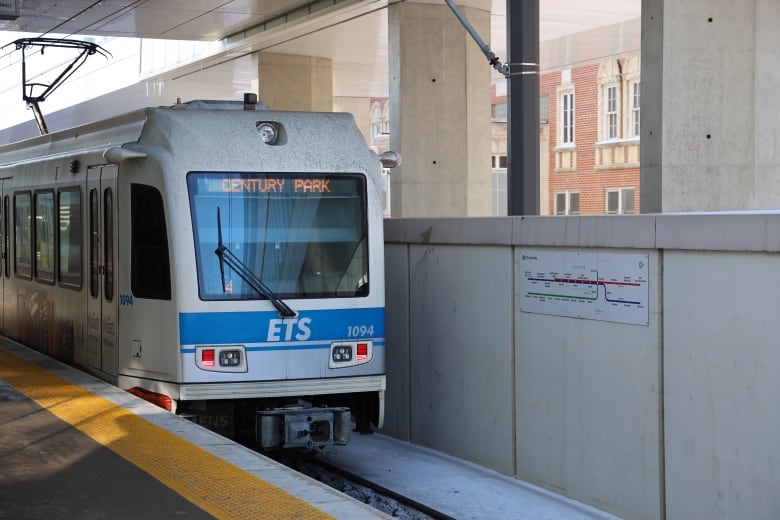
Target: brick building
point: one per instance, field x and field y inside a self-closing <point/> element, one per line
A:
<point x="589" y="135"/>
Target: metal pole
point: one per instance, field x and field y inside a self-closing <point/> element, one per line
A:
<point x="522" y="26"/>
<point x="494" y="60"/>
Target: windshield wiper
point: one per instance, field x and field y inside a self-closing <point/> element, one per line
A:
<point x="226" y="256"/>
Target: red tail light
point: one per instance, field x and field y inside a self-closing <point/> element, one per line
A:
<point x="161" y="400"/>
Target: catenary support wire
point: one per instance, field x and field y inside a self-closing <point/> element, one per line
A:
<point x="494" y="60"/>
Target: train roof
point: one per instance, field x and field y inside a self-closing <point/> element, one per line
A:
<point x="97" y="135"/>
<point x="146" y="124"/>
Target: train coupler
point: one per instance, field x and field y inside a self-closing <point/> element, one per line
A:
<point x="300" y="427"/>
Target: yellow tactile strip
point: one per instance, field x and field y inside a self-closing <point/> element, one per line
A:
<point x="216" y="486"/>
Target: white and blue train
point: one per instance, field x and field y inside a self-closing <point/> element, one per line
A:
<point x="222" y="260"/>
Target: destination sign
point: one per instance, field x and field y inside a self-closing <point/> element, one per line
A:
<point x="275" y="185"/>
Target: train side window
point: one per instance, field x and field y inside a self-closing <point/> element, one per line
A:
<point x="69" y="234"/>
<point x="22" y="235"/>
<point x="108" y="244"/>
<point x="93" y="243"/>
<point x="150" y="265"/>
<point x="44" y="236"/>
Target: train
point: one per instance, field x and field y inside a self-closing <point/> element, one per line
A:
<point x="217" y="258"/>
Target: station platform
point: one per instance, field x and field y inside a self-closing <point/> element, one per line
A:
<point x="72" y="446"/>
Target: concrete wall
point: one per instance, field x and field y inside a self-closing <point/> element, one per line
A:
<point x="671" y="418"/>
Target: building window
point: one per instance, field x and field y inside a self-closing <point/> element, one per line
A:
<point x="618" y="114"/>
<point x="379" y="128"/>
<point x="379" y="122"/>
<point x="635" y="91"/>
<point x="498" y="111"/>
<point x="610" y="107"/>
<point x="499" y="161"/>
<point x="612" y="112"/>
<point x="565" y="145"/>
<point x="544" y="108"/>
<point x="501" y="87"/>
<point x="566" y="118"/>
<point x="620" y="201"/>
<point x="567" y="202"/>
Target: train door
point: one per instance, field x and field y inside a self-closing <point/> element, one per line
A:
<point x="102" y="301"/>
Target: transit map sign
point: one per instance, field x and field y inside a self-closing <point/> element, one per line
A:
<point x="589" y="285"/>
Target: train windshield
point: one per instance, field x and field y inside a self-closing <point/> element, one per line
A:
<point x="303" y="236"/>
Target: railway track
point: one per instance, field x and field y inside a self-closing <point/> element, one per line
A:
<point x="360" y="488"/>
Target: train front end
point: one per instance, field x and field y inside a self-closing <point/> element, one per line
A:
<point x="279" y="276"/>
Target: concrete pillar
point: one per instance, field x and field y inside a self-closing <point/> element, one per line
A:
<point x="289" y="82"/>
<point x="767" y="110"/>
<point x="440" y="111"/>
<point x="710" y="130"/>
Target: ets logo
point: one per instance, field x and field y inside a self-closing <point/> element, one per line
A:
<point x="289" y="329"/>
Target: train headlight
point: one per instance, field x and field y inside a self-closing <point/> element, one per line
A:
<point x="269" y="132"/>
<point x="228" y="358"/>
<point x="341" y="353"/>
<point x="350" y="353"/>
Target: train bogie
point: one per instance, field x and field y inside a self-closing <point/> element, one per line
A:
<point x="182" y="255"/>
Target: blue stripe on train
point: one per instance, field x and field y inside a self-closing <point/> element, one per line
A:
<point x="286" y="346"/>
<point x="266" y="327"/>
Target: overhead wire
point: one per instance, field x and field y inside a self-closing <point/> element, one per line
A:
<point x="293" y="38"/>
<point x="120" y="10"/>
<point x="137" y="3"/>
<point x="96" y="2"/>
